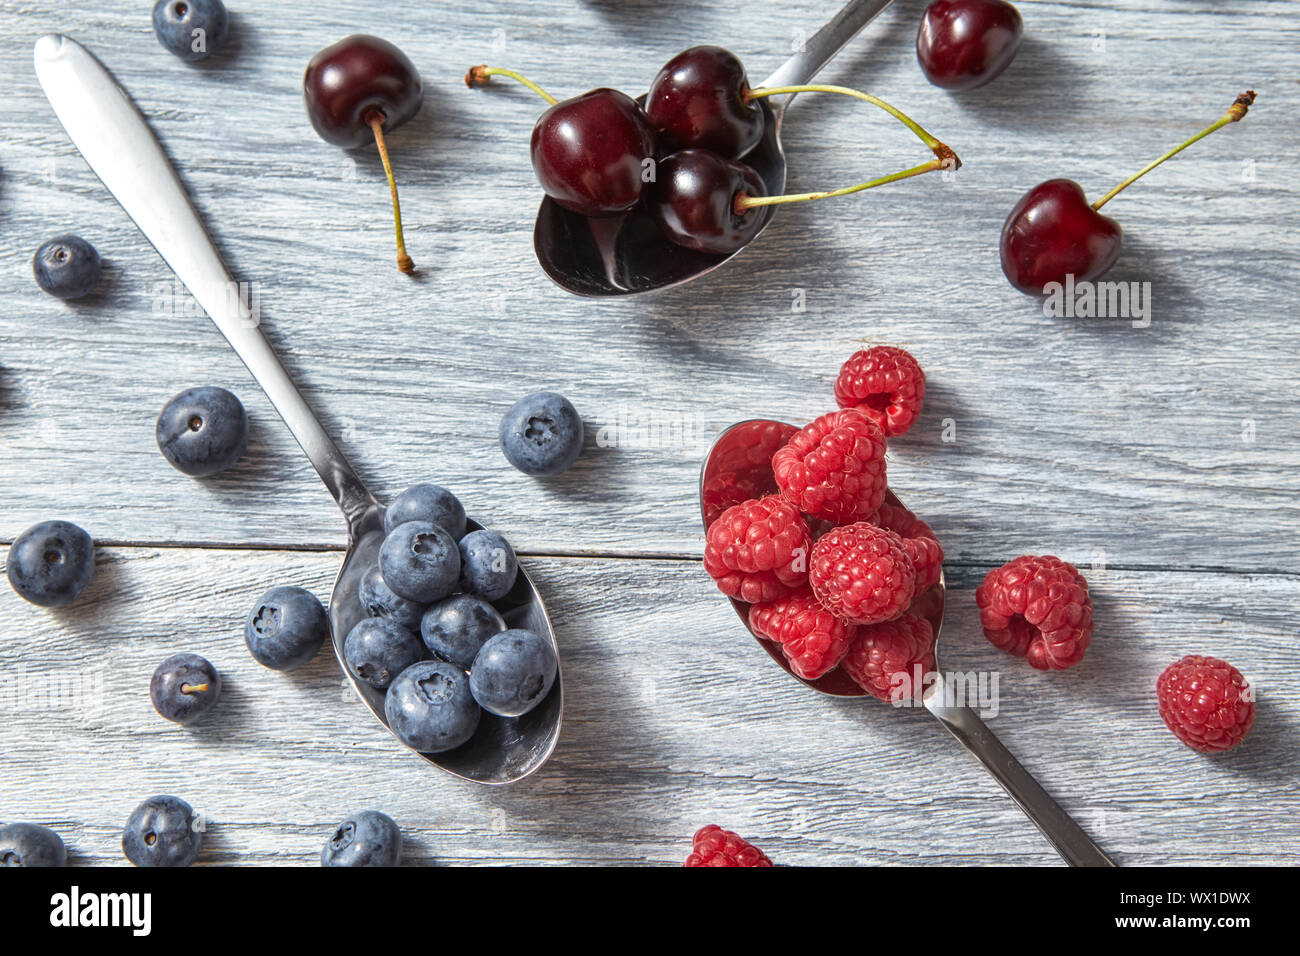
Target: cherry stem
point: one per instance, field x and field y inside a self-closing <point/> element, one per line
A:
<point x="193" y="688"/>
<point x="376" y="123"/>
<point x="945" y="158"/>
<point x="1235" y="112"/>
<point x="479" y="75"/>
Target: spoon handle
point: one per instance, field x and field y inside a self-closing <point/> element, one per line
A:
<point x="123" y="152"/>
<point x="822" y="46"/>
<point x="1075" y="846"/>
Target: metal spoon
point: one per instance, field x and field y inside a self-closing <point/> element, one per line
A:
<point x="738" y="466"/>
<point x="629" y="254"/>
<point x="120" y="148"/>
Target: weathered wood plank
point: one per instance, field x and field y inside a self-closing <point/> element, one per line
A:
<point x="674" y="719"/>
<point x="1070" y="435"/>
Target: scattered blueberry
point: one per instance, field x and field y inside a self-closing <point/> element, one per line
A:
<point x="542" y="434"/>
<point x="184" y="688"/>
<point x="191" y="29"/>
<point x="429" y="503"/>
<point x="202" y="431"/>
<point x="430" y="708"/>
<point x="457" y="627"/>
<point x="26" y="844"/>
<point x="162" y="831"/>
<point x="377" y="649"/>
<point x="66" y="267"/>
<point x="378" y="600"/>
<point x="513" y="673"/>
<point x="420" y="562"/>
<point x="368" y="838"/>
<point x="51" y="563"/>
<point x="487" y="565"/>
<point x="286" y="628"/>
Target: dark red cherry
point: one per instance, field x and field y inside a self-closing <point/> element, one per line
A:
<point x="700" y="100"/>
<point x="1054" y="231"/>
<point x="356" y="77"/>
<point x="593" y="153"/>
<point x="694" y="201"/>
<point x="962" y="44"/>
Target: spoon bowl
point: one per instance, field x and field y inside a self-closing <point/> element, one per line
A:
<point x="105" y="125"/>
<point x="738" y="467"/>
<point x="629" y="254"/>
<point x="503" y="749"/>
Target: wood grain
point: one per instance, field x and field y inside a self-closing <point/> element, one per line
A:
<point x="674" y="719"/>
<point x="1168" y="454"/>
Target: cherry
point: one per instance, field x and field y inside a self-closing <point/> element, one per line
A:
<point x="701" y="99"/>
<point x="694" y="201"/>
<point x="1053" y="231"/>
<point x="354" y="90"/>
<point x="962" y="44"/>
<point x="591" y="152"/>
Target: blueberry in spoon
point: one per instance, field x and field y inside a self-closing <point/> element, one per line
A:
<point x="354" y="91"/>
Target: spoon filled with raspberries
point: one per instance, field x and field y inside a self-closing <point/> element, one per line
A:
<point x="843" y="585"/>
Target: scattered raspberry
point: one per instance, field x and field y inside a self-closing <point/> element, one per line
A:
<point x="1206" y="703"/>
<point x="861" y="573"/>
<point x="758" y="550"/>
<point x="834" y="467"/>
<point x="1038" y="608"/>
<point x="714" y="846"/>
<point x="890" y="660"/>
<point x="812" y="638"/>
<point x="920" y="543"/>
<point x="885" y="383"/>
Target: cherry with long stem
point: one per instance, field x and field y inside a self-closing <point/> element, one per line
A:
<point x="1239" y="108"/>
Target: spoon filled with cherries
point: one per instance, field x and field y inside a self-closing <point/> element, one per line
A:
<point x="642" y="194"/>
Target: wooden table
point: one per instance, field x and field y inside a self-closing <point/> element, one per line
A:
<point x="1163" y="460"/>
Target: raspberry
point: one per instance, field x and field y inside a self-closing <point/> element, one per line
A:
<point x="1206" y="703"/>
<point x="812" y="638"/>
<point x="731" y="488"/>
<point x="758" y="550"/>
<point x="889" y="660"/>
<point x="1038" y="608"/>
<point x="885" y="383"/>
<point x="920" y="543"/>
<point x="834" y="467"/>
<point x="714" y="846"/>
<point x="861" y="573"/>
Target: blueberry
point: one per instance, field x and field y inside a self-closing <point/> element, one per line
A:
<point x="66" y="267"/>
<point x="368" y="838"/>
<point x="542" y="434"/>
<point x="455" y="628"/>
<point x="513" y="673"/>
<point x="286" y="628"/>
<point x="420" y="562"/>
<point x="378" y="649"/>
<point x="487" y="565"/>
<point x="192" y="29"/>
<point x="429" y="503"/>
<point x="162" y="831"/>
<point x="430" y="708"/>
<point x="51" y="563"/>
<point x="184" y="688"/>
<point x="26" y="844"/>
<point x="378" y="600"/>
<point x="202" y="431"/>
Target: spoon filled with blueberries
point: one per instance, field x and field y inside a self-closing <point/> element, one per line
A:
<point x="437" y="627"/>
<point x="642" y="194"/>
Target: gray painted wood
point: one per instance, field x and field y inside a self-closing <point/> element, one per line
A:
<point x="1088" y="438"/>
<point x="674" y="719"/>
